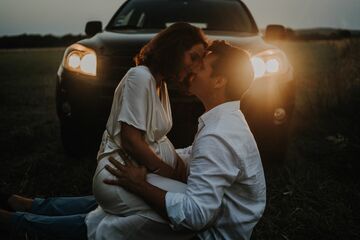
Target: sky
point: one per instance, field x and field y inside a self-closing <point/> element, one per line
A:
<point x="70" y="16"/>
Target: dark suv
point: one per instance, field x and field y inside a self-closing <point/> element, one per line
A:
<point x="93" y="67"/>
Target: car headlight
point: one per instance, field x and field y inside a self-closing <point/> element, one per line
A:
<point x="81" y="59"/>
<point x="269" y="62"/>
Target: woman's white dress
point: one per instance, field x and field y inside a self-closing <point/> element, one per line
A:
<point x="136" y="103"/>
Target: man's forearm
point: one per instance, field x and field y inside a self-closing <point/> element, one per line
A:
<point x="154" y="196"/>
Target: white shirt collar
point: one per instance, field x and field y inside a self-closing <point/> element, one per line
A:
<point x="219" y="110"/>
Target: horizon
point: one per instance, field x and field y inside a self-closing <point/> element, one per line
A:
<point x="299" y="15"/>
<point x="83" y="33"/>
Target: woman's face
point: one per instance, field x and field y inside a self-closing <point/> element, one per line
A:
<point x="193" y="59"/>
<point x="202" y="85"/>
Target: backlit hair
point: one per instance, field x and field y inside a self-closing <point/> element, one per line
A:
<point x="234" y="64"/>
<point x="164" y="54"/>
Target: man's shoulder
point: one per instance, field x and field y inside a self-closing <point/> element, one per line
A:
<point x="228" y="131"/>
<point x="226" y="124"/>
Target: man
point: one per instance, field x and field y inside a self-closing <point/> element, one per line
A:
<point x="225" y="194"/>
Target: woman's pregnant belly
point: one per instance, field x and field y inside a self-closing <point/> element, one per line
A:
<point x="116" y="200"/>
<point x="165" y="150"/>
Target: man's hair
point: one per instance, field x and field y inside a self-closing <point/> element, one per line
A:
<point x="234" y="64"/>
<point x="164" y="54"/>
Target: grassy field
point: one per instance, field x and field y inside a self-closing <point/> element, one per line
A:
<point x="315" y="195"/>
<point x="32" y="159"/>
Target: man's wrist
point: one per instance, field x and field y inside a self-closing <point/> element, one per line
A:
<point x="154" y="196"/>
<point x="140" y="187"/>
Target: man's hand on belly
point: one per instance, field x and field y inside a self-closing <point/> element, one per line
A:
<point x="133" y="179"/>
<point x="128" y="176"/>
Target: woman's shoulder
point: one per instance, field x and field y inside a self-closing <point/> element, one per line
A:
<point x="139" y="74"/>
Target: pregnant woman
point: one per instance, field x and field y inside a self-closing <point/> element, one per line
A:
<point x="136" y="131"/>
<point x="138" y="123"/>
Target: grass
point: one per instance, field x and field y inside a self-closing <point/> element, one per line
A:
<point x="315" y="195"/>
<point x="33" y="162"/>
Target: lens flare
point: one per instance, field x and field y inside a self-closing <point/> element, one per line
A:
<point x="88" y="64"/>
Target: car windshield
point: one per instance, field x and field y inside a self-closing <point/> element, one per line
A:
<point x="207" y="14"/>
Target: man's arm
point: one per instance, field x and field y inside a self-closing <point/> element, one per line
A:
<point x="211" y="172"/>
<point x="133" y="178"/>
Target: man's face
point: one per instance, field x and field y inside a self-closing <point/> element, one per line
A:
<point x="202" y="85"/>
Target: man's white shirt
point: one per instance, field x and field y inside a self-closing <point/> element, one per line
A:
<point x="226" y="191"/>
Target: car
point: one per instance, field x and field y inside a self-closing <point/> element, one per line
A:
<point x="92" y="68"/>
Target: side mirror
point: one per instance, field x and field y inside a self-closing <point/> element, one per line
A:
<point x="93" y="27"/>
<point x="275" y="32"/>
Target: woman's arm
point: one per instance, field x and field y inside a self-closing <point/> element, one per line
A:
<point x="134" y="143"/>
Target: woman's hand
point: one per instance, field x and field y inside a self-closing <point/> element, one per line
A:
<point x="180" y="170"/>
<point x="133" y="142"/>
<point x="129" y="176"/>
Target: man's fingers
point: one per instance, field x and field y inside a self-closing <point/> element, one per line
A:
<point x="123" y="155"/>
<point x="130" y="163"/>
<point x="111" y="182"/>
<point x="116" y="163"/>
<point x="113" y="171"/>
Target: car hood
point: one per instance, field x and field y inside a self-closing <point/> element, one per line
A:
<point x="249" y="42"/>
<point x="129" y="42"/>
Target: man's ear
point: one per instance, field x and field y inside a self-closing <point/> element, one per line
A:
<point x="220" y="81"/>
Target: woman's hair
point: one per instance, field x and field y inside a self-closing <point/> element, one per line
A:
<point x="164" y="54"/>
<point x="234" y="64"/>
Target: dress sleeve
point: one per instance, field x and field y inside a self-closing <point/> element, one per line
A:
<point x="136" y="99"/>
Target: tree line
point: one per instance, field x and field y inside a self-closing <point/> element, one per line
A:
<point x="38" y="41"/>
<point x="45" y="41"/>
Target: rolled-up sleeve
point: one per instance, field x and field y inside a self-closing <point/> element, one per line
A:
<point x="211" y="172"/>
<point x="174" y="207"/>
